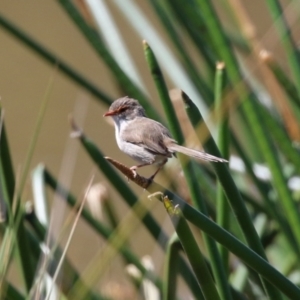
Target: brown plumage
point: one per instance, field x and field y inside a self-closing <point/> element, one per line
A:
<point x="145" y="140"/>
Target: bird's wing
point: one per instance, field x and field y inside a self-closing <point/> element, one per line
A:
<point x="149" y="133"/>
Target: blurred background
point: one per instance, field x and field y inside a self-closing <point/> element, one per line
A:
<point x="25" y="77"/>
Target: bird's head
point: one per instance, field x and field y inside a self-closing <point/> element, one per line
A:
<point x="125" y="108"/>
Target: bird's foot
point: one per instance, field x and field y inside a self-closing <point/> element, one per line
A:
<point x="133" y="169"/>
<point x="150" y="179"/>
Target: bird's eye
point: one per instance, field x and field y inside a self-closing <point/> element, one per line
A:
<point x="122" y="109"/>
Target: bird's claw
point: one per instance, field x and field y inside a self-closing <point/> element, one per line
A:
<point x="133" y="169"/>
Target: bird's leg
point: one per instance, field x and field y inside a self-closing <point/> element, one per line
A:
<point x="133" y="168"/>
<point x="159" y="168"/>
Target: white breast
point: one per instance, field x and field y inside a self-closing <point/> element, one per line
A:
<point x="136" y="152"/>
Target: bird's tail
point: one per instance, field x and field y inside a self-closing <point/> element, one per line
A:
<point x="195" y="153"/>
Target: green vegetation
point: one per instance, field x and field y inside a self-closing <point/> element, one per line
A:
<point x="240" y="236"/>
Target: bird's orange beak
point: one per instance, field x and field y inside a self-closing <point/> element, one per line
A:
<point x="109" y="113"/>
<point x="115" y="112"/>
<point x="112" y="112"/>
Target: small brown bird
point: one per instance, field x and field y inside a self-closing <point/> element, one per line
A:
<point x="145" y="140"/>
